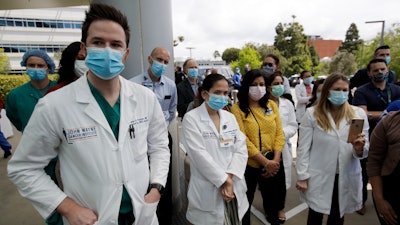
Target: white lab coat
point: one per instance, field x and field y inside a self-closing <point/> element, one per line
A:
<point x="321" y="155"/>
<point x="210" y="163"/>
<point x="302" y="100"/>
<point x="289" y="125"/>
<point x="94" y="166"/>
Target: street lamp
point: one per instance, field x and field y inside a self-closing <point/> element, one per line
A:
<point x="190" y="50"/>
<point x="383" y="28"/>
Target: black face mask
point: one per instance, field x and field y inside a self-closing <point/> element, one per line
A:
<point x="379" y="77"/>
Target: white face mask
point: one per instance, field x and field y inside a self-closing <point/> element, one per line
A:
<point x="257" y="92"/>
<point x="80" y="68"/>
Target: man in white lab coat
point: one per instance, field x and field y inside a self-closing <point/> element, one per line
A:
<point x="109" y="134"/>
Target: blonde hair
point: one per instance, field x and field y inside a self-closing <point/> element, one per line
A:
<point x="323" y="106"/>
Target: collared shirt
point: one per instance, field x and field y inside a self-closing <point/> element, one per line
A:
<point x="165" y="90"/>
<point x="374" y="98"/>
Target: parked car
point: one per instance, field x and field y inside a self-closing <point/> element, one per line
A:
<point x="294" y="80"/>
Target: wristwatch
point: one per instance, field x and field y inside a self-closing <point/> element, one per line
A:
<point x="157" y="186"/>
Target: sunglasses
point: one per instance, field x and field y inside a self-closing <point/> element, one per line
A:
<point x="268" y="64"/>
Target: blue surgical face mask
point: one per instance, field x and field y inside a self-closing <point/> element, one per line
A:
<point x="105" y="63"/>
<point x="308" y="80"/>
<point x="217" y="102"/>
<point x="37" y="74"/>
<point x="157" y="68"/>
<point x="193" y="72"/>
<point x="318" y="94"/>
<point x="277" y="90"/>
<point x="387" y="59"/>
<point x="338" y="98"/>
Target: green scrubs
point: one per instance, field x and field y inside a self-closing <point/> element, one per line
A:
<point x="112" y="115"/>
<point x="21" y="101"/>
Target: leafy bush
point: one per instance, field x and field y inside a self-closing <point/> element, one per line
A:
<point x="9" y="82"/>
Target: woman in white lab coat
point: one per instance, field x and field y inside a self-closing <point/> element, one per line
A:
<point x="218" y="155"/>
<point x="328" y="167"/>
<point x="289" y="124"/>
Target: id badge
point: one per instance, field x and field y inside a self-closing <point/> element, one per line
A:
<point x="225" y="141"/>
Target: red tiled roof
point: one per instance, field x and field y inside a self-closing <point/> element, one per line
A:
<point x="325" y="48"/>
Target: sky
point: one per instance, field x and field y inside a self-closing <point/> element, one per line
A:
<point x="220" y="24"/>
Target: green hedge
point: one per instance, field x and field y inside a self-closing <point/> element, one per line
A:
<point x="9" y="82"/>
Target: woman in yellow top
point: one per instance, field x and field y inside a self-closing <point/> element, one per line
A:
<point x="258" y="118"/>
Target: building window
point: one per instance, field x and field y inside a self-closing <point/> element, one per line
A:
<point x="26" y="22"/>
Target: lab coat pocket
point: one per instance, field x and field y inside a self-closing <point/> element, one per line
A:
<point x="148" y="214"/>
<point x="203" y="195"/>
<point x="317" y="183"/>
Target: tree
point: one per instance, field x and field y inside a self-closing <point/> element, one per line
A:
<point x="314" y="57"/>
<point x="247" y="55"/>
<point x="352" y="41"/>
<point x="292" y="44"/>
<point x="5" y="66"/>
<point x="180" y="40"/>
<point x="343" y="62"/>
<point x="265" y="49"/>
<point x="216" y="54"/>
<point x="322" y="68"/>
<point x="391" y="38"/>
<point x="230" y="55"/>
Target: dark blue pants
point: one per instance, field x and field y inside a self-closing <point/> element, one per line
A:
<point x="5" y="145"/>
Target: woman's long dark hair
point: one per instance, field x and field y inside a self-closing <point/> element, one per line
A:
<point x="67" y="63"/>
<point x="243" y="94"/>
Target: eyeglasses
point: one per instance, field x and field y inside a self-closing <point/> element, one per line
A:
<point x="268" y="64"/>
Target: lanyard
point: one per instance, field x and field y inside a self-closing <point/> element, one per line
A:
<point x="389" y="94"/>
<point x="259" y="130"/>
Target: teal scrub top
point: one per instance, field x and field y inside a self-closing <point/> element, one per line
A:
<point x="112" y="115"/>
<point x="21" y="102"/>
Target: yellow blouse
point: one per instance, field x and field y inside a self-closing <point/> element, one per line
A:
<point x="268" y="122"/>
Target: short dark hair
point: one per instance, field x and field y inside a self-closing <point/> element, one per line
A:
<point x="375" y="61"/>
<point x="381" y="47"/>
<point x="271" y="78"/>
<point x="304" y="72"/>
<point x="275" y="57"/>
<point x="210" y="80"/>
<point x="99" y="11"/>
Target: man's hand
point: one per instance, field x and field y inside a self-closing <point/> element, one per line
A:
<point x="76" y="214"/>
<point x="153" y="196"/>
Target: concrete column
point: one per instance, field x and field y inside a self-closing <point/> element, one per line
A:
<point x="150" y="22"/>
